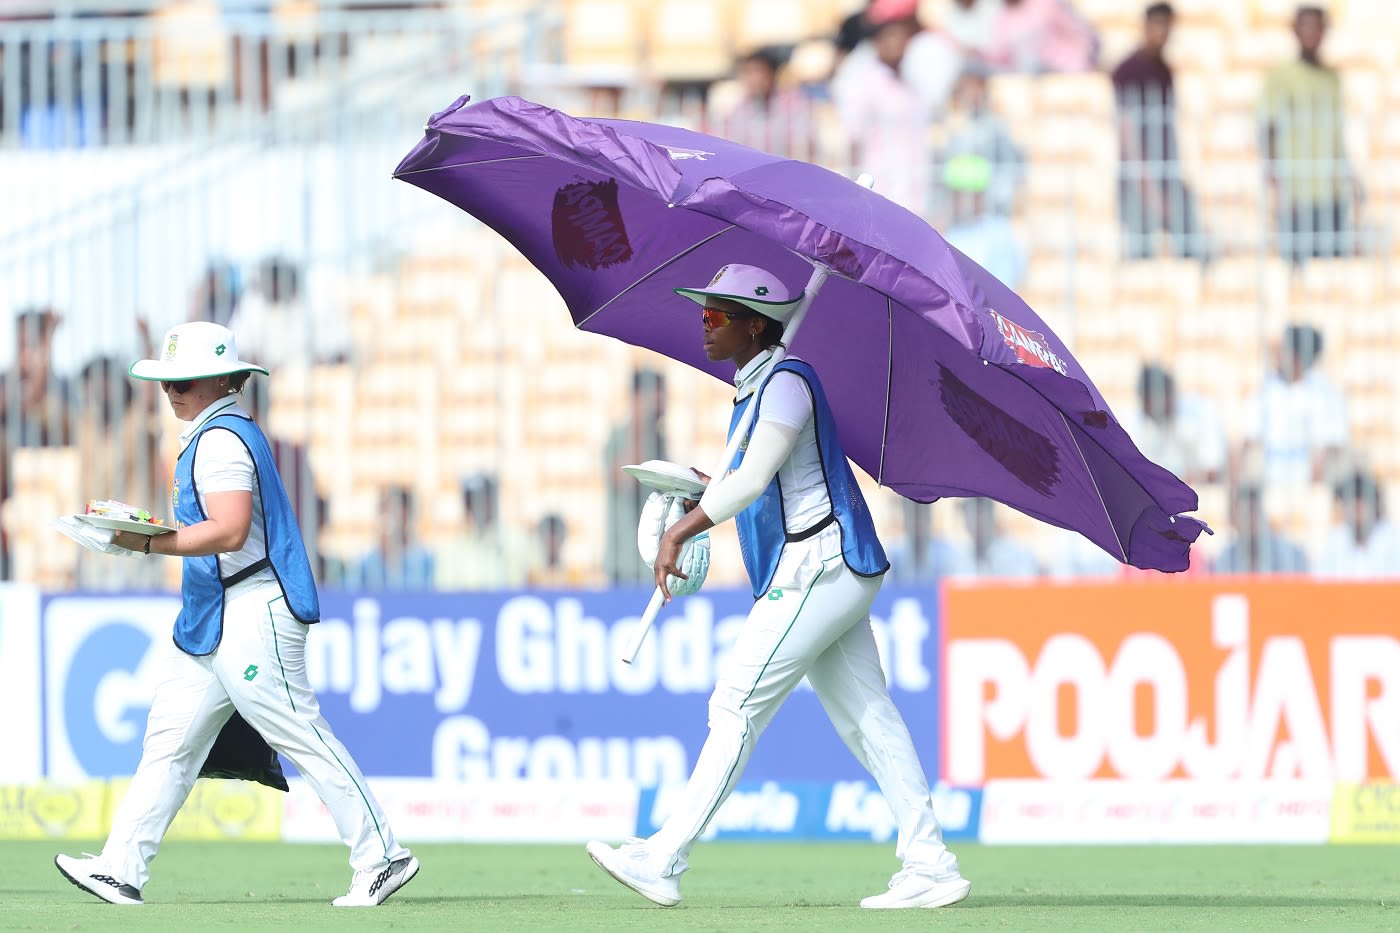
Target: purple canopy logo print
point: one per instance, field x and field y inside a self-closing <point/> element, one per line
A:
<point x="587" y="226"/>
<point x="1027" y="454"/>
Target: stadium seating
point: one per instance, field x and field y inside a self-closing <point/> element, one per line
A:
<point x="443" y="384"/>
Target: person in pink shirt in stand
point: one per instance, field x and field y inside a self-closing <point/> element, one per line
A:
<point x="888" y="91"/>
<point x="1038" y="36"/>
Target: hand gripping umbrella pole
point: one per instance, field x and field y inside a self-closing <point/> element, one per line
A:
<point x="814" y="284"/>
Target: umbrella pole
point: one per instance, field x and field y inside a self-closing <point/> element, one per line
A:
<point x="809" y="294"/>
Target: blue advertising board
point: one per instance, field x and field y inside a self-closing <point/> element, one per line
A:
<point x="476" y="686"/>
<point x="793" y="810"/>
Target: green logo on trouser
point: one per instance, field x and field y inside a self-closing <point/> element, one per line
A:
<point x="775" y="593"/>
<point x="250" y="672"/>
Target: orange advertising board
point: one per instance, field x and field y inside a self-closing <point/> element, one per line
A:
<point x="1242" y="678"/>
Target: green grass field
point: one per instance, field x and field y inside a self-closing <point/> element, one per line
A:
<point x="732" y="887"/>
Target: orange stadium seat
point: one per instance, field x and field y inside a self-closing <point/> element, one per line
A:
<point x="759" y="23"/>
<point x="1233" y="15"/>
<point x="192" y="45"/>
<point x="1199" y="47"/>
<point x="46" y="482"/>
<point x="1263" y="48"/>
<point x="1078" y="95"/>
<point x="689" y="40"/>
<point x="603" y="38"/>
<point x="1013" y="96"/>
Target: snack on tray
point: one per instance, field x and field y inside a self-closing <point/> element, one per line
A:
<point x="114" y="509"/>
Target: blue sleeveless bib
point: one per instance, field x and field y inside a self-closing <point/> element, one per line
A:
<point x="200" y="625"/>
<point x="762" y="527"/>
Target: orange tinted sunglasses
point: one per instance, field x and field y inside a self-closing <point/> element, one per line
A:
<point x="714" y="318"/>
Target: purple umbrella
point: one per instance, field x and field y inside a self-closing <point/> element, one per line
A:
<point x="944" y="381"/>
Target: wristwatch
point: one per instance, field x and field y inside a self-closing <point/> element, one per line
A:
<point x="148" y="544"/>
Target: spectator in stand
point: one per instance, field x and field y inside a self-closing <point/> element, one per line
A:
<point x="1176" y="430"/>
<point x="1363" y="544"/>
<point x="400" y="562"/>
<point x="117" y="433"/>
<point x="972" y="24"/>
<point x="1254" y="546"/>
<point x="854" y="29"/>
<point x="1039" y="36"/>
<point x="1151" y="193"/>
<point x="216" y="295"/>
<point x="888" y="91"/>
<point x="1298" y="432"/>
<point x="34" y="401"/>
<point x="989" y="551"/>
<point x="548" y="568"/>
<point x="487" y="554"/>
<point x="973" y="129"/>
<point x="293" y="464"/>
<point x="919" y="556"/>
<point x="641" y="437"/>
<point x="985" y="237"/>
<point x="279" y="327"/>
<point x="1304" y="149"/>
<point x="768" y="117"/>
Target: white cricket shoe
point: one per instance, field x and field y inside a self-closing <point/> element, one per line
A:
<point x="910" y="888"/>
<point x="90" y="874"/>
<point x="631" y="865"/>
<point x="372" y="886"/>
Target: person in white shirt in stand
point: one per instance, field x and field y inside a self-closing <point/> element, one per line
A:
<point x="239" y="641"/>
<point x="1176" y="430"/>
<point x="815" y="564"/>
<point x="1298" y="430"/>
<point x="1364" y="545"/>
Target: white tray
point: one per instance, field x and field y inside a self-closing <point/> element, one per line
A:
<point x="123" y="524"/>
<point x="668" y="477"/>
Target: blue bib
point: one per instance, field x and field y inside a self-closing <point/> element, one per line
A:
<point x="761" y="526"/>
<point x="200" y="625"/>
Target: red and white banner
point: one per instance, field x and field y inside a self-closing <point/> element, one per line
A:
<point x="428" y="810"/>
<point x="1052" y="812"/>
<point x="1208" y="680"/>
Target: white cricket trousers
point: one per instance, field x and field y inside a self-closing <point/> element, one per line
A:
<point x="817" y="625"/>
<point x="259" y="669"/>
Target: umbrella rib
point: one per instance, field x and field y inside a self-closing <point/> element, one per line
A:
<point x="1090" y="473"/>
<point x="439" y="168"/>
<point x="673" y="260"/>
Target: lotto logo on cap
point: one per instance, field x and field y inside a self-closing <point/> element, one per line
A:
<point x="172" y="340"/>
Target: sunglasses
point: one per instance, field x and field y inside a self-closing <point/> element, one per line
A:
<point x="179" y="387"/>
<point x="714" y="318"/>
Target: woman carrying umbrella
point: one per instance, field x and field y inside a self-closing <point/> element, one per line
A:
<point x="816" y="565"/>
<point x="240" y="638"/>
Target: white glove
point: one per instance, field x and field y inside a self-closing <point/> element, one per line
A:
<point x="660" y="512"/>
<point x="694" y="563"/>
<point x="92" y="537"/>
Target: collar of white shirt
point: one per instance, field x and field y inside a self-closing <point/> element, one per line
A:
<point x="214" y="409"/>
<point x="746" y="379"/>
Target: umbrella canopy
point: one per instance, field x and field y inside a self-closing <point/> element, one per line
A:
<point x="944" y="382"/>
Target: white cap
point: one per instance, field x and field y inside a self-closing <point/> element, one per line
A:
<point x="752" y="287"/>
<point x="193" y="351"/>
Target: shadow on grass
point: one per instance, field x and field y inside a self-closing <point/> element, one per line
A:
<point x="1231" y="901"/>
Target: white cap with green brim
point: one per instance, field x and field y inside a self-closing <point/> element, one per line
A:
<point x="194" y="350"/>
<point x="752" y="287"/>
